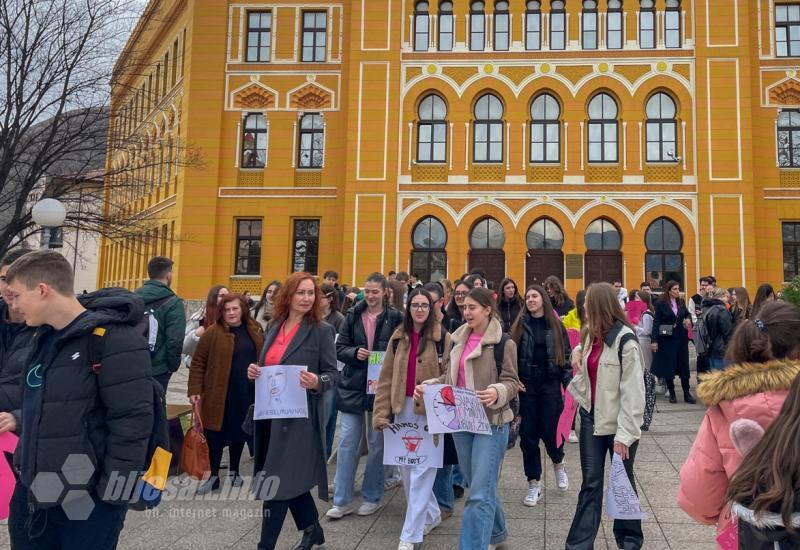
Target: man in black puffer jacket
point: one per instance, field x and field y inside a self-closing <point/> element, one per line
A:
<point x="720" y="327"/>
<point x="367" y="327"/>
<point x="70" y="406"/>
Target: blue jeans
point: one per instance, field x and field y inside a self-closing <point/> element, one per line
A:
<point x="480" y="457"/>
<point x="352" y="429"/>
<point x="443" y="488"/>
<point x="329" y="401"/>
<point x="716" y="363"/>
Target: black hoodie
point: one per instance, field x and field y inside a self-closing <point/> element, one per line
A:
<point x="67" y="408"/>
<point x="15" y="343"/>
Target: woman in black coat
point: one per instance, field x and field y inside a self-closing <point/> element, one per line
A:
<point x="292" y="450"/>
<point x="670" y="341"/>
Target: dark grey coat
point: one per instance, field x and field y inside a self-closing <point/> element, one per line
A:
<point x="293" y="449"/>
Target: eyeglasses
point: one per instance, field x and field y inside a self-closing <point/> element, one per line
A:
<point x="420" y="307"/>
<point x="460" y="294"/>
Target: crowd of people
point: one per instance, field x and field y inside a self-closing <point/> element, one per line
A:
<point x="77" y="375"/>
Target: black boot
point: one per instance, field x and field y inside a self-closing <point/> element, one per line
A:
<point x="672" y="397"/>
<point x="687" y="397"/>
<point x="312" y="536"/>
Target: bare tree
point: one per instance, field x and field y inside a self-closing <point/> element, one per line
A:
<point x="57" y="70"/>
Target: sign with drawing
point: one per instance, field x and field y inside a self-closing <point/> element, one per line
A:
<point x="408" y="442"/>
<point x="279" y="394"/>
<point x="453" y="409"/>
<point x="374" y="364"/>
<point x="621" y="500"/>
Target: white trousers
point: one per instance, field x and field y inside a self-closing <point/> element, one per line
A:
<point x="421" y="506"/>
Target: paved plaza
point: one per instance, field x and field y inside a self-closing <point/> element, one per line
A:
<point x="196" y="525"/>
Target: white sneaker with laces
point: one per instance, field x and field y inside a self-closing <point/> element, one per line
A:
<point x="433" y="525"/>
<point x="368" y="508"/>
<point x="573" y="437"/>
<point x="338" y="512"/>
<point x="534" y="493"/>
<point x="562" y="481"/>
<point x="405" y="546"/>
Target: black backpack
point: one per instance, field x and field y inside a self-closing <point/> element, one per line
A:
<point x="649" y="384"/>
<point x="144" y="495"/>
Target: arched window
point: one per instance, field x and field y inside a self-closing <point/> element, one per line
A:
<point x="647" y="24"/>
<point x="254" y="141"/>
<point x="661" y="126"/>
<point x="312" y="141"/>
<point x="487" y="233"/>
<point x="545" y="129"/>
<point x="558" y="25"/>
<point x="429" y="257"/>
<point x="502" y="25"/>
<point x="445" y="26"/>
<point x="589" y="25"/>
<point x="477" y="26"/>
<point x="545" y="234"/>
<point x="603" y="134"/>
<point x="614" y="32"/>
<point x="672" y="24"/>
<point x="488" y="135"/>
<point x="421" y="26"/>
<point x="663" y="261"/>
<point x="789" y="139"/>
<point x="432" y="130"/>
<point x="602" y="234"/>
<point x="533" y="25"/>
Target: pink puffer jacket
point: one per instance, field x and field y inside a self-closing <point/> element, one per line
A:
<point x="755" y="391"/>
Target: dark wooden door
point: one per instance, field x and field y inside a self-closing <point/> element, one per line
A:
<point x="492" y="261"/>
<point x="602" y="265"/>
<point x="540" y="264"/>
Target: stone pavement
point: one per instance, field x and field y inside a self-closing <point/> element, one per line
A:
<point x="200" y="525"/>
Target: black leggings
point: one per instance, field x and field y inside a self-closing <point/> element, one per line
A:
<point x="215" y="455"/>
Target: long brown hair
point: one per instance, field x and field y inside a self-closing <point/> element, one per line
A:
<point x="742" y="301"/>
<point x="210" y="316"/>
<point x="515" y="332"/>
<point x="777" y="339"/>
<point x="220" y="314"/>
<point x="283" y="301"/>
<point x="485" y="298"/>
<point x="769" y="474"/>
<point x="399" y="291"/>
<point x="603" y="310"/>
<point x="555" y="284"/>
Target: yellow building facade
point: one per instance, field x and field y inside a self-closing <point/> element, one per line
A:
<point x="593" y="140"/>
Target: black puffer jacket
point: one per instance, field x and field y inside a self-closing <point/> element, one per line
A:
<point x="525" y="352"/>
<point x="509" y="311"/>
<point x="107" y="416"/>
<point x="766" y="531"/>
<point x="15" y="346"/>
<point x="720" y="326"/>
<point x="352" y="394"/>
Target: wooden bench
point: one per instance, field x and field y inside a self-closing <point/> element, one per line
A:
<point x="174" y="414"/>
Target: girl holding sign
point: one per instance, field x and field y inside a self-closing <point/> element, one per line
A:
<point x="609" y="389"/>
<point x="471" y="363"/>
<point x="292" y="450"/>
<point x="410" y="358"/>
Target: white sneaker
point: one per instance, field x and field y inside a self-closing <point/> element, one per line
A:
<point x="431" y="526"/>
<point x="392" y="482"/>
<point x="368" y="508"/>
<point x="534" y="493"/>
<point x="405" y="546"/>
<point x="338" y="512"/>
<point x="562" y="481"/>
<point x="573" y="437"/>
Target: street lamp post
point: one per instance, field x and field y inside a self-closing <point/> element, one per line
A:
<point x="50" y="215"/>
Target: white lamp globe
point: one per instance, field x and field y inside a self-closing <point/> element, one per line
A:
<point x="49" y="213"/>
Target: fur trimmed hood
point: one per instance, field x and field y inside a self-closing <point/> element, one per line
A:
<point x="747" y="379"/>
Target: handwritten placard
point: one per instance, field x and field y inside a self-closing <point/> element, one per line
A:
<point x="279" y="394"/>
<point x="408" y="442"/>
<point x="453" y="409"/>
<point x="621" y="500"/>
<point x="374" y="364"/>
<point x="8" y="442"/>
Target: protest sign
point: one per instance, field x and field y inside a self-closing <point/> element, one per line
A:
<point x="8" y="442"/>
<point x="407" y="442"/>
<point x="374" y="364"/>
<point x="279" y="394"/>
<point x="621" y="499"/>
<point x="566" y="418"/>
<point x="453" y="409"/>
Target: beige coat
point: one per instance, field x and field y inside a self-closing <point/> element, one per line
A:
<point x="390" y="395"/>
<point x="619" y="403"/>
<point x="480" y="369"/>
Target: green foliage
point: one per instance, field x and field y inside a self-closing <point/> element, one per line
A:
<point x="791" y="292"/>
